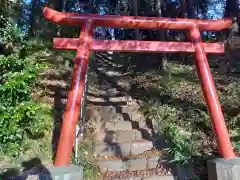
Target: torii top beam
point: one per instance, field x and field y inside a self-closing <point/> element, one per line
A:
<point x="75" y="19"/>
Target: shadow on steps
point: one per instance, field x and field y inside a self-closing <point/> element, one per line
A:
<point x="32" y="169"/>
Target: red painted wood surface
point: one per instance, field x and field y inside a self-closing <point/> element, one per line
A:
<point x="71" y="113"/>
<point x="85" y="44"/>
<point x="75" y="19"/>
<point x="137" y="46"/>
<point x="209" y="91"/>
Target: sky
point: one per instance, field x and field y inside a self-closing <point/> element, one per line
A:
<point x="215" y="9"/>
<point x="28" y="1"/>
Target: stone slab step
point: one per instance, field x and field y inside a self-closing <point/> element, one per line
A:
<point x="123" y="165"/>
<point x="130" y="164"/>
<point x="161" y="173"/>
<point x="134" y="113"/>
<point x="115" y="126"/>
<point x="109" y="99"/>
<point x="148" y="160"/>
<point x="117" y="118"/>
<point x="160" y="178"/>
<point x="107" y="117"/>
<point x="116" y="149"/>
<point x="150" y="178"/>
<point x="119" y="136"/>
<point x="128" y="108"/>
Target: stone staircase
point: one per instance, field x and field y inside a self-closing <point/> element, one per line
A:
<point x="126" y="149"/>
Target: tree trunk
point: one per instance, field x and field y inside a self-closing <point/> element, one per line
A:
<point x="232" y="10"/>
<point x="160" y="35"/>
<point x="183" y="13"/>
<point x="32" y="19"/>
<point x="135" y="13"/>
<point x="123" y="8"/>
<point x="59" y="6"/>
<point x="191" y="10"/>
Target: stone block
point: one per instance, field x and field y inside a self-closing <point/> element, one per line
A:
<point x="110" y="149"/>
<point x="136" y="164"/>
<point x="138" y="135"/>
<point x="224" y="169"/>
<point x="109" y="136"/>
<point x="161" y="178"/>
<point x="125" y="136"/>
<point x="130" y="178"/>
<point x="139" y="147"/>
<point x="125" y="149"/>
<point x="113" y="149"/>
<point x="124" y="109"/>
<point x="110" y="126"/>
<point x="70" y="172"/>
<point x="112" y="91"/>
<point x="152" y="162"/>
<point x="126" y="125"/>
<point x="142" y="124"/>
<point x="102" y="149"/>
<point x="128" y="109"/>
<point x="109" y="110"/>
<point x="118" y="118"/>
<point x="112" y="166"/>
<point x="136" y="115"/>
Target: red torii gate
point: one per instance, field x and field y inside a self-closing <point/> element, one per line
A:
<point x="85" y="43"/>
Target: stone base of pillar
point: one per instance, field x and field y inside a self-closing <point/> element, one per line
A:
<point x="224" y="169"/>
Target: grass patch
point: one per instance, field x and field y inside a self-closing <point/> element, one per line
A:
<point x="175" y="103"/>
<point x="87" y="159"/>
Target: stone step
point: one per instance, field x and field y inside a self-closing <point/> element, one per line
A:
<point x="128" y="108"/>
<point x="122" y="149"/>
<point x="115" y="126"/>
<point x="55" y="83"/>
<point x="162" y="173"/>
<point x="119" y="136"/>
<point x="108" y="100"/>
<point x="123" y="165"/>
<point x="108" y="110"/>
<point x="150" y="178"/>
<point x="160" y="178"/>
<point x="107" y="117"/>
<point x="130" y="163"/>
<point x="117" y="118"/>
<point x="133" y="112"/>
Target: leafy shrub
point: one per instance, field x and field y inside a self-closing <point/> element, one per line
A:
<point x="19" y="118"/>
<point x="11" y="34"/>
<point x="181" y="141"/>
<point x="14" y="40"/>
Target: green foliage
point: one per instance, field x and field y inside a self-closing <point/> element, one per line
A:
<point x="176" y="105"/>
<point x="181" y="140"/>
<point x="19" y="114"/>
<point x="87" y="160"/>
<point x="14" y="40"/>
<point x="11" y="34"/>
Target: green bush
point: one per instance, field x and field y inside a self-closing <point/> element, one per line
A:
<point x="19" y="114"/>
